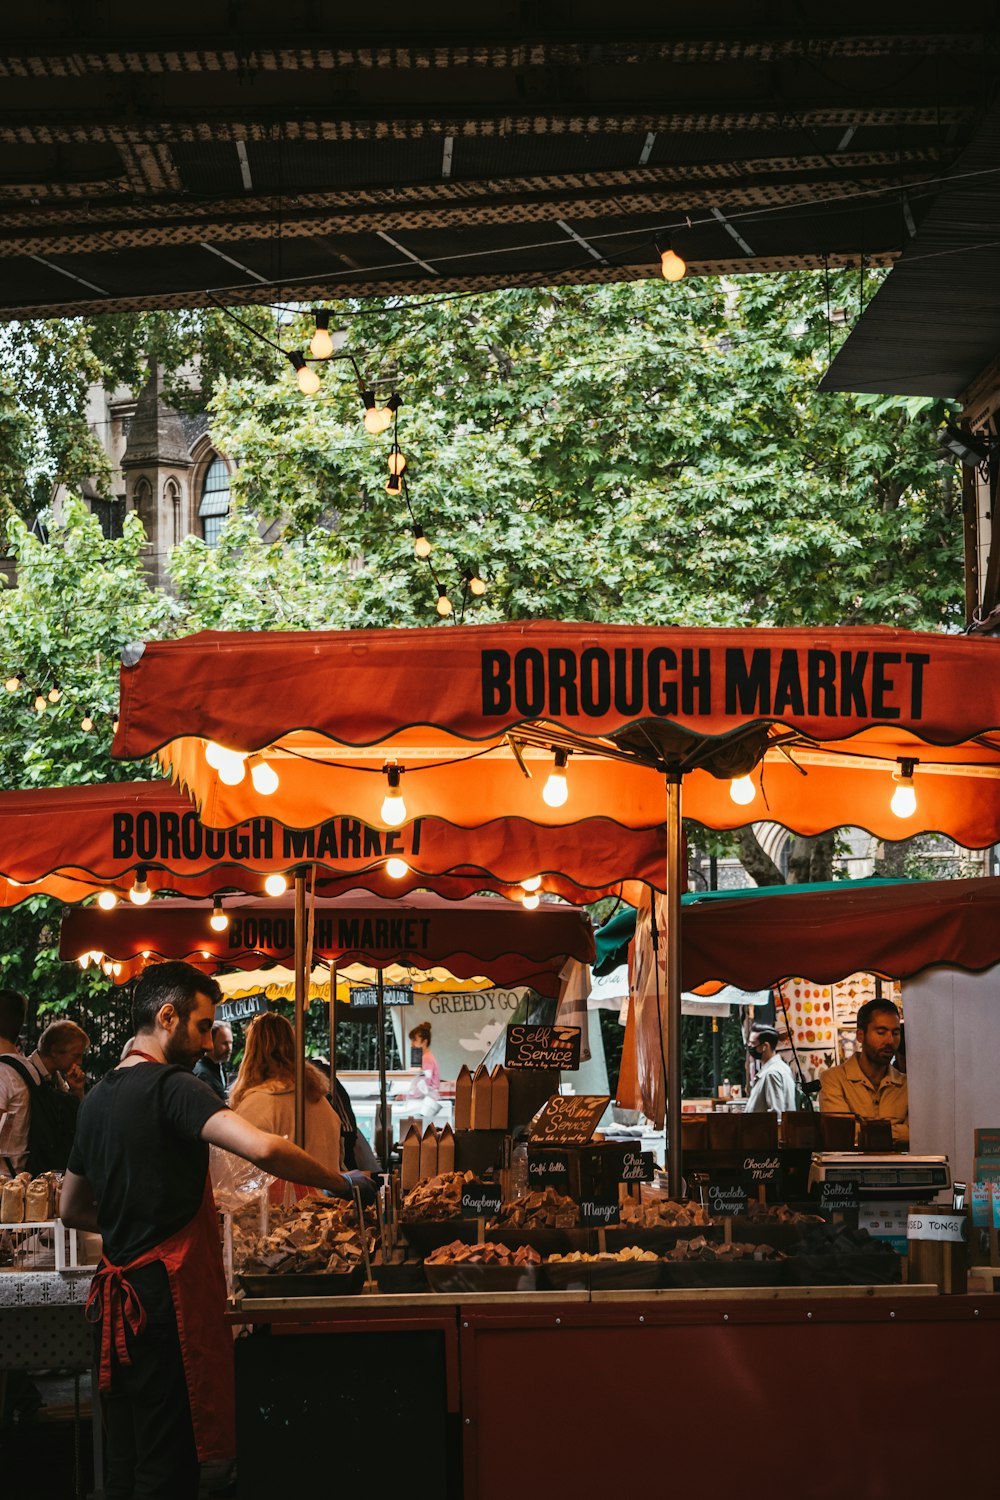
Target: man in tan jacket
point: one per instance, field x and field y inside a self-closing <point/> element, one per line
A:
<point x="867" y="1086"/>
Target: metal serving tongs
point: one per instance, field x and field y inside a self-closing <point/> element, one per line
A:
<point x="371" y="1285"/>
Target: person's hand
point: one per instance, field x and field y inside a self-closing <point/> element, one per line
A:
<point x="75" y="1079"/>
<point x="366" y="1185"/>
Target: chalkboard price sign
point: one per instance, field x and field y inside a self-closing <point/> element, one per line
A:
<point x="598" y="1211"/>
<point x="636" y="1166"/>
<point x="567" y="1119"/>
<point x="543" y="1047"/>
<point x="843" y="1197"/>
<point x="548" y="1169"/>
<point x="480" y="1200"/>
<point x="762" y="1170"/>
<point x="726" y="1200"/>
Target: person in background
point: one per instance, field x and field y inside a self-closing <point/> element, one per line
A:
<point x="41" y="1100"/>
<point x="429" y="1082"/>
<point x="867" y="1085"/>
<point x="774" y="1086"/>
<point x="264" y="1094"/>
<point x="211" y="1069"/>
<point x="13" y="1009"/>
<point x="138" y="1174"/>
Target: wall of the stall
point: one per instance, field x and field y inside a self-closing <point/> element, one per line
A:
<point x="952" y="1052"/>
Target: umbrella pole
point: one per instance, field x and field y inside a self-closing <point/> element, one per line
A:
<point x="382" y="1088"/>
<point x="674" y="1082"/>
<point x="333" y="1026"/>
<point x="300" y="1008"/>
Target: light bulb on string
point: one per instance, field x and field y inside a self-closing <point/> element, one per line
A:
<point x="13" y="683"/>
<point x="377" y="418"/>
<point x="530" y="900"/>
<point x="307" y="380"/>
<point x="107" y="900"/>
<point x="672" y="267"/>
<point x="477" y="585"/>
<point x="86" y="723"/>
<point x="55" y="694"/>
<point x="276" y="885"/>
<point x="396" y="869"/>
<point x="140" y="893"/>
<point x="421" y="546"/>
<point x="394" y="485"/>
<point x="218" y="921"/>
<point x="904" y="798"/>
<point x="556" y="790"/>
<point x="41" y="703"/>
<point x="230" y="764"/>
<point x="264" y="776"/>
<point x="444" y="605"/>
<point x="397" y="461"/>
<point x="393" y="806"/>
<point x="532" y="883"/>
<point x="742" y="790"/>
<point x="321" y="344"/>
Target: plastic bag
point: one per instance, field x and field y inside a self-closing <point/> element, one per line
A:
<point x="236" y="1184"/>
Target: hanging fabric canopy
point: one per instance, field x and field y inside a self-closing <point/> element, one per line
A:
<point x="279" y="983"/>
<point x="755" y="939"/>
<point x="71" y="842"/>
<point x="479" y="936"/>
<point x="817" y="720"/>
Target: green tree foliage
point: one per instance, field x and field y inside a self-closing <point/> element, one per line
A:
<point x="631" y="452"/>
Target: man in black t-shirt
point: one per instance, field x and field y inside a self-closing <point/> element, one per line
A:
<point x="138" y="1173"/>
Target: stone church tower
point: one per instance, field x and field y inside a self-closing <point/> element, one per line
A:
<point x="168" y="470"/>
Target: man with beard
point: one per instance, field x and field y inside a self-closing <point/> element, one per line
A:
<point x="867" y="1086"/>
<point x="138" y="1173"/>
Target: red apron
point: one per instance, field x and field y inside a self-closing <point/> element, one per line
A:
<point x="193" y="1259"/>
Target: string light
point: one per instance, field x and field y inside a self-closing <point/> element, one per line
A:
<point x="41" y="703"/>
<point x="556" y="790"/>
<point x="477" y="585"/>
<point x="532" y="883"/>
<point x="393" y="806"/>
<point x="742" y="790"/>
<point x="904" y="798"/>
<point x="321" y="344"/>
<point x="307" y="380"/>
<point x="444" y="605"/>
<point x="276" y="885"/>
<point x="86" y="723"/>
<point x="396" y="868"/>
<point x="377" y="418"/>
<point x="421" y="546"/>
<point x="530" y="899"/>
<point x="672" y="267"/>
<point x="13" y="683"/>
<point x="230" y="764"/>
<point x="55" y="694"/>
<point x="394" y="484"/>
<point x="218" y="921"/>
<point x="140" y="893"/>
<point x="107" y="900"/>
<point x="264" y="776"/>
<point x="397" y="460"/>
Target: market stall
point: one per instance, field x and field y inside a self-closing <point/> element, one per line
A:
<point x="813" y="729"/>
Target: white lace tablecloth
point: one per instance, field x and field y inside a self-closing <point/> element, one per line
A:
<point x="44" y="1288"/>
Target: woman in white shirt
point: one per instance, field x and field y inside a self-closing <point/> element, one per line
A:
<point x="264" y="1091"/>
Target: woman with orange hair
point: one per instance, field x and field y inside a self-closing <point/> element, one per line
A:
<point x="264" y="1091"/>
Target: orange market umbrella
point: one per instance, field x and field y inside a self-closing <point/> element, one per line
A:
<point x="71" y="842"/>
<point x="812" y="726"/>
<point x="481" y="935"/>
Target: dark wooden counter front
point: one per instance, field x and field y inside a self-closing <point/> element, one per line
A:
<point x="872" y="1392"/>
